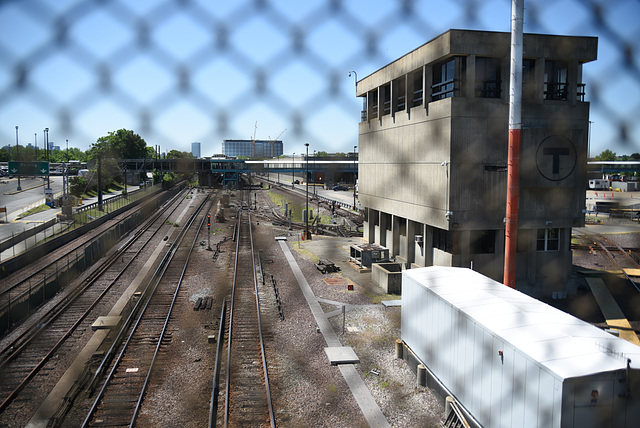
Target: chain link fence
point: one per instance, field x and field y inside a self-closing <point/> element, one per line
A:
<point x="276" y="62"/>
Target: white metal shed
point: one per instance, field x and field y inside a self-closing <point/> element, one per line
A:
<point x="513" y="361"/>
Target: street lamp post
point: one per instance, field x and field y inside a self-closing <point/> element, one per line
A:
<point x="356" y="77"/>
<point x="293" y="165"/>
<point x="354" y="177"/>
<point x="17" y="159"/>
<point x="307" y="235"/>
<point x="314" y="174"/>
<point x="46" y="141"/>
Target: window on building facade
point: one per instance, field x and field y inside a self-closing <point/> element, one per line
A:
<point x="581" y="86"/>
<point x="488" y="80"/>
<point x="528" y="78"/>
<point x="443" y="240"/>
<point x="548" y="239"/>
<point x="373" y="103"/>
<point x="399" y="89"/>
<point x="446" y="78"/>
<point x="482" y="242"/>
<point x="386" y="99"/>
<point x="555" y="80"/>
<point x="416" y="78"/>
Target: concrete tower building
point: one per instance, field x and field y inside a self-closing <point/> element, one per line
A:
<point x="433" y="143"/>
<point x="195" y="150"/>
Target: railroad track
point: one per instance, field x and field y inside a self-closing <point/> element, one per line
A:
<point x="126" y="370"/>
<point x="247" y="391"/>
<point x="621" y="258"/>
<point x="24" y="361"/>
<point x="23" y="291"/>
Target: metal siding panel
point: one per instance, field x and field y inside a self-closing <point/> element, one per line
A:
<point x="518" y="391"/>
<point x="506" y="389"/>
<point x="469" y="356"/>
<point x="442" y="337"/>
<point x="486" y="369"/>
<point x="546" y="398"/>
<point x="461" y="353"/>
<point x="557" y="403"/>
<point x="497" y="373"/>
<point x="448" y="328"/>
<point x="476" y="396"/>
<point x="568" y="396"/>
<point x="532" y="389"/>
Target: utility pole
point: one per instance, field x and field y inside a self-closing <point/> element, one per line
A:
<point x="307" y="235"/>
<point x="17" y="159"/>
<point x="354" y="177"/>
<point x="515" y="130"/>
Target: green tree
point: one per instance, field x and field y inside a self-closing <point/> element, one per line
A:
<point x="60" y="156"/>
<point x="121" y="144"/>
<point x="77" y="186"/>
<point x="4" y="155"/>
<point x="635" y="156"/>
<point x="606" y="155"/>
<point x="177" y="154"/>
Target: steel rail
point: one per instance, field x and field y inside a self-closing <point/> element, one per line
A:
<point x="58" y="311"/>
<point x="37" y="274"/>
<point x="34" y="333"/>
<point x="148" y="293"/>
<point x="170" y="310"/>
<point x="230" y="332"/>
<point x="262" y="351"/>
<point x="259" y="325"/>
<point x="612" y="258"/>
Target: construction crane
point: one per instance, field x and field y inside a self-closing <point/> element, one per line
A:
<point x="253" y="140"/>
<point x="275" y="139"/>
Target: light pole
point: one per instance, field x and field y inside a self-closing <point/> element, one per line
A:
<point x="356" y="82"/>
<point x="354" y="177"/>
<point x="46" y="141"/>
<point x="293" y="165"/>
<point x="17" y="159"/>
<point x="314" y="174"/>
<point x="307" y="235"/>
<point x="35" y="139"/>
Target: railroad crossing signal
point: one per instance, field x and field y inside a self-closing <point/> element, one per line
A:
<point x="28" y="168"/>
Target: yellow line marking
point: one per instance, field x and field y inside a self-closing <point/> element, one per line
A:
<point x="611" y="311"/>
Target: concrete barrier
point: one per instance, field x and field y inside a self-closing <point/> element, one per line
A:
<point x="388" y="276"/>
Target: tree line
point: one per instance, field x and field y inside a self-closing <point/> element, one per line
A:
<point x="106" y="153"/>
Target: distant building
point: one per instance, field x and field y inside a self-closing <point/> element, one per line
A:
<point x="247" y="148"/>
<point x="195" y="150"/>
<point x="433" y="143"/>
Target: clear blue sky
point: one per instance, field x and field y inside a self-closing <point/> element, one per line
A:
<point x="212" y="69"/>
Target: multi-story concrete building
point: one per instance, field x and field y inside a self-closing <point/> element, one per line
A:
<point x="433" y="154"/>
<point x="195" y="150"/>
<point x="258" y="149"/>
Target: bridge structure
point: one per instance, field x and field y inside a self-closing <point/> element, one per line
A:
<point x="601" y="168"/>
<point x="227" y="171"/>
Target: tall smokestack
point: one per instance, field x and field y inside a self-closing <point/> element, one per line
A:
<point x="515" y="129"/>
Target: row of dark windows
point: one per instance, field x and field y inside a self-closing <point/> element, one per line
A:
<point x="484" y="241"/>
<point x="448" y="77"/>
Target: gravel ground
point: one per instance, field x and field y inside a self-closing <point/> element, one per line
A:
<point x="306" y="389"/>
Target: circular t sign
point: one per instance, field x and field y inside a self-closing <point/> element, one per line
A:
<point x="556" y="158"/>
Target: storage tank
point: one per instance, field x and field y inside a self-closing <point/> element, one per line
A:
<point x="513" y="361"/>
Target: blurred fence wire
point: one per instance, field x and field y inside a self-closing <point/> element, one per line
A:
<point x="131" y="33"/>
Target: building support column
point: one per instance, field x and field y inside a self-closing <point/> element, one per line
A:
<point x="470" y="86"/>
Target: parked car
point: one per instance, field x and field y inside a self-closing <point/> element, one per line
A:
<point x="340" y="187"/>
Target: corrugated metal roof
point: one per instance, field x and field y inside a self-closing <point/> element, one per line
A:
<point x="564" y="344"/>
